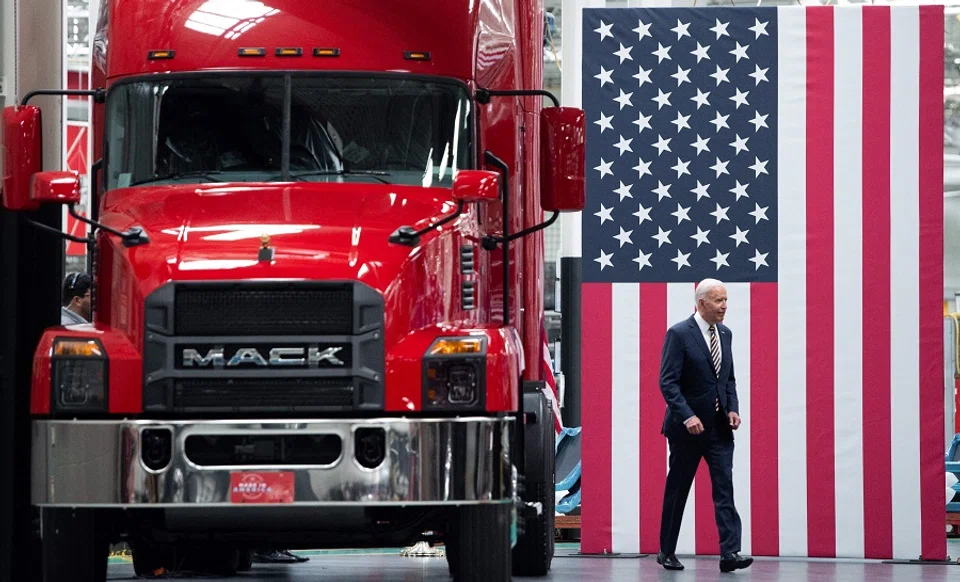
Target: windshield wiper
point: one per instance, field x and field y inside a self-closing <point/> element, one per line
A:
<point x="375" y="173"/>
<point x="175" y="176"/>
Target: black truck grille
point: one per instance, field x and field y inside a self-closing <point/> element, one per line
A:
<point x="239" y="311"/>
<point x="267" y="394"/>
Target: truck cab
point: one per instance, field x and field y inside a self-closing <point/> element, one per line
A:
<point x="318" y="286"/>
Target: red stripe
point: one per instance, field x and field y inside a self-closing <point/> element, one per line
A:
<point x="653" y="445"/>
<point x="596" y="364"/>
<point x="933" y="536"/>
<point x="764" y="414"/>
<point x="877" y="486"/>
<point x="821" y="512"/>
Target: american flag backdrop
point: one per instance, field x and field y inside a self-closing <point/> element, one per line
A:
<point x="795" y="153"/>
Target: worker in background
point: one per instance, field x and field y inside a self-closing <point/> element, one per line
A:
<point x="75" y="299"/>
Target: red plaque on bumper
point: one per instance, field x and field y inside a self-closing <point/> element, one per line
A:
<point x="261" y="487"/>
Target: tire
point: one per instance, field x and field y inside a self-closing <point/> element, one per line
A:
<point x="482" y="545"/>
<point x="75" y="545"/>
<point x="533" y="553"/>
<point x="246" y="560"/>
<point x="151" y="559"/>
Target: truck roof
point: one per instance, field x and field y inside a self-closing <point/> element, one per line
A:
<point x="364" y="35"/>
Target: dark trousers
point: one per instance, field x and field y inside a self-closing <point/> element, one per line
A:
<point x="717" y="449"/>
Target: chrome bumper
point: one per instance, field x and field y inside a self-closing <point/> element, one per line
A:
<point x="448" y="461"/>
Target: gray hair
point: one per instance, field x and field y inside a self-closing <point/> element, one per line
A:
<point x="704" y="287"/>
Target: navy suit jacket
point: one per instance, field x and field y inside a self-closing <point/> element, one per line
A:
<point x="689" y="384"/>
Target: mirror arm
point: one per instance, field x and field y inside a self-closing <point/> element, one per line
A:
<point x="483" y="95"/>
<point x="99" y="95"/>
<point x="133" y="237"/>
<point x="57" y="232"/>
<point x="405" y="235"/>
<point x="490" y="242"/>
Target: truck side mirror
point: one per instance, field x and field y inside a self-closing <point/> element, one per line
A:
<point x="476" y="186"/>
<point x="56" y="187"/>
<point x="22" y="151"/>
<point x="563" y="137"/>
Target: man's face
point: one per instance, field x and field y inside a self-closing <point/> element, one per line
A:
<point x="713" y="307"/>
<point x="81" y="305"/>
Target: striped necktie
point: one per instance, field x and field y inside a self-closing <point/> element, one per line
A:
<point x="715" y="354"/>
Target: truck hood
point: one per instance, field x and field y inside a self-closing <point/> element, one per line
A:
<point x="317" y="230"/>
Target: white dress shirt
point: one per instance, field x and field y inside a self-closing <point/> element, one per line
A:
<point x="705" y="330"/>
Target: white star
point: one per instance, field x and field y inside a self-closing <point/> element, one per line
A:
<point x="604" y="260"/>
<point x="681" y="122"/>
<point x="681" y="213"/>
<point x="740" y="236"/>
<point x="701" y="52"/>
<point x="701" y="191"/>
<point x="740" y="52"/>
<point x="662" y="237"/>
<point x="605" y="76"/>
<point x="740" y="144"/>
<point x="720" y="213"/>
<point x="642" y="30"/>
<point x="720" y="167"/>
<point x="662" y="53"/>
<point x="760" y="74"/>
<point x="643" y="214"/>
<point x="721" y="259"/>
<point x="681" y="260"/>
<point x="721" y="29"/>
<point x="759" y="259"/>
<point x="701" y="144"/>
<point x="604" y="168"/>
<point x="701" y="98"/>
<point x="681" y="167"/>
<point x="642" y="168"/>
<point x="720" y="75"/>
<point x="681" y="30"/>
<point x="643" y="259"/>
<point x="624" y="99"/>
<point x="623" y="145"/>
<point x="759" y="28"/>
<point x="624" y="191"/>
<point x="759" y="121"/>
<point x="662" y="191"/>
<point x="701" y="237"/>
<point x="624" y="53"/>
<point x="624" y="237"/>
<point x="604" y="30"/>
<point x="604" y="122"/>
<point x="740" y="190"/>
<point x="740" y="98"/>
<point x="759" y="213"/>
<point x="661" y="99"/>
<point x="662" y="145"/>
<point x="682" y="75"/>
<point x="604" y="213"/>
<point x="720" y="121"/>
<point x="643" y="122"/>
<point x="759" y="167"/>
<point x="643" y="76"/>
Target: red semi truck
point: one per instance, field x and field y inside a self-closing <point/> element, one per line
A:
<point x="318" y="285"/>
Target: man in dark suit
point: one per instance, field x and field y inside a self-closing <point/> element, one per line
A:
<point x="698" y="384"/>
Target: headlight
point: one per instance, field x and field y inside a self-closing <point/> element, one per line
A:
<point x="79" y="375"/>
<point x="454" y="373"/>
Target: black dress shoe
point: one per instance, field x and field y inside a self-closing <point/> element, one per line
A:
<point x="669" y="562"/>
<point x="734" y="561"/>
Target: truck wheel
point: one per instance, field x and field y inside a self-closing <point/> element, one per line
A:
<point x="152" y="559"/>
<point x="533" y="553"/>
<point x="246" y="560"/>
<point x="482" y="547"/>
<point x="74" y="546"/>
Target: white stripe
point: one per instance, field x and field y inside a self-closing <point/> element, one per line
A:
<point x="680" y="305"/>
<point x="738" y="320"/>
<point x="625" y="426"/>
<point x="791" y="287"/>
<point x="904" y="288"/>
<point x="848" y="281"/>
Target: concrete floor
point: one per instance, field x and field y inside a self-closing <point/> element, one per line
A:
<point x="389" y="565"/>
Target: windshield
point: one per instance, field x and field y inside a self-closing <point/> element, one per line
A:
<point x="231" y="128"/>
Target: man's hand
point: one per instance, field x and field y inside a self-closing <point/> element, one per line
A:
<point x="694" y="426"/>
<point x="734" y="420"/>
